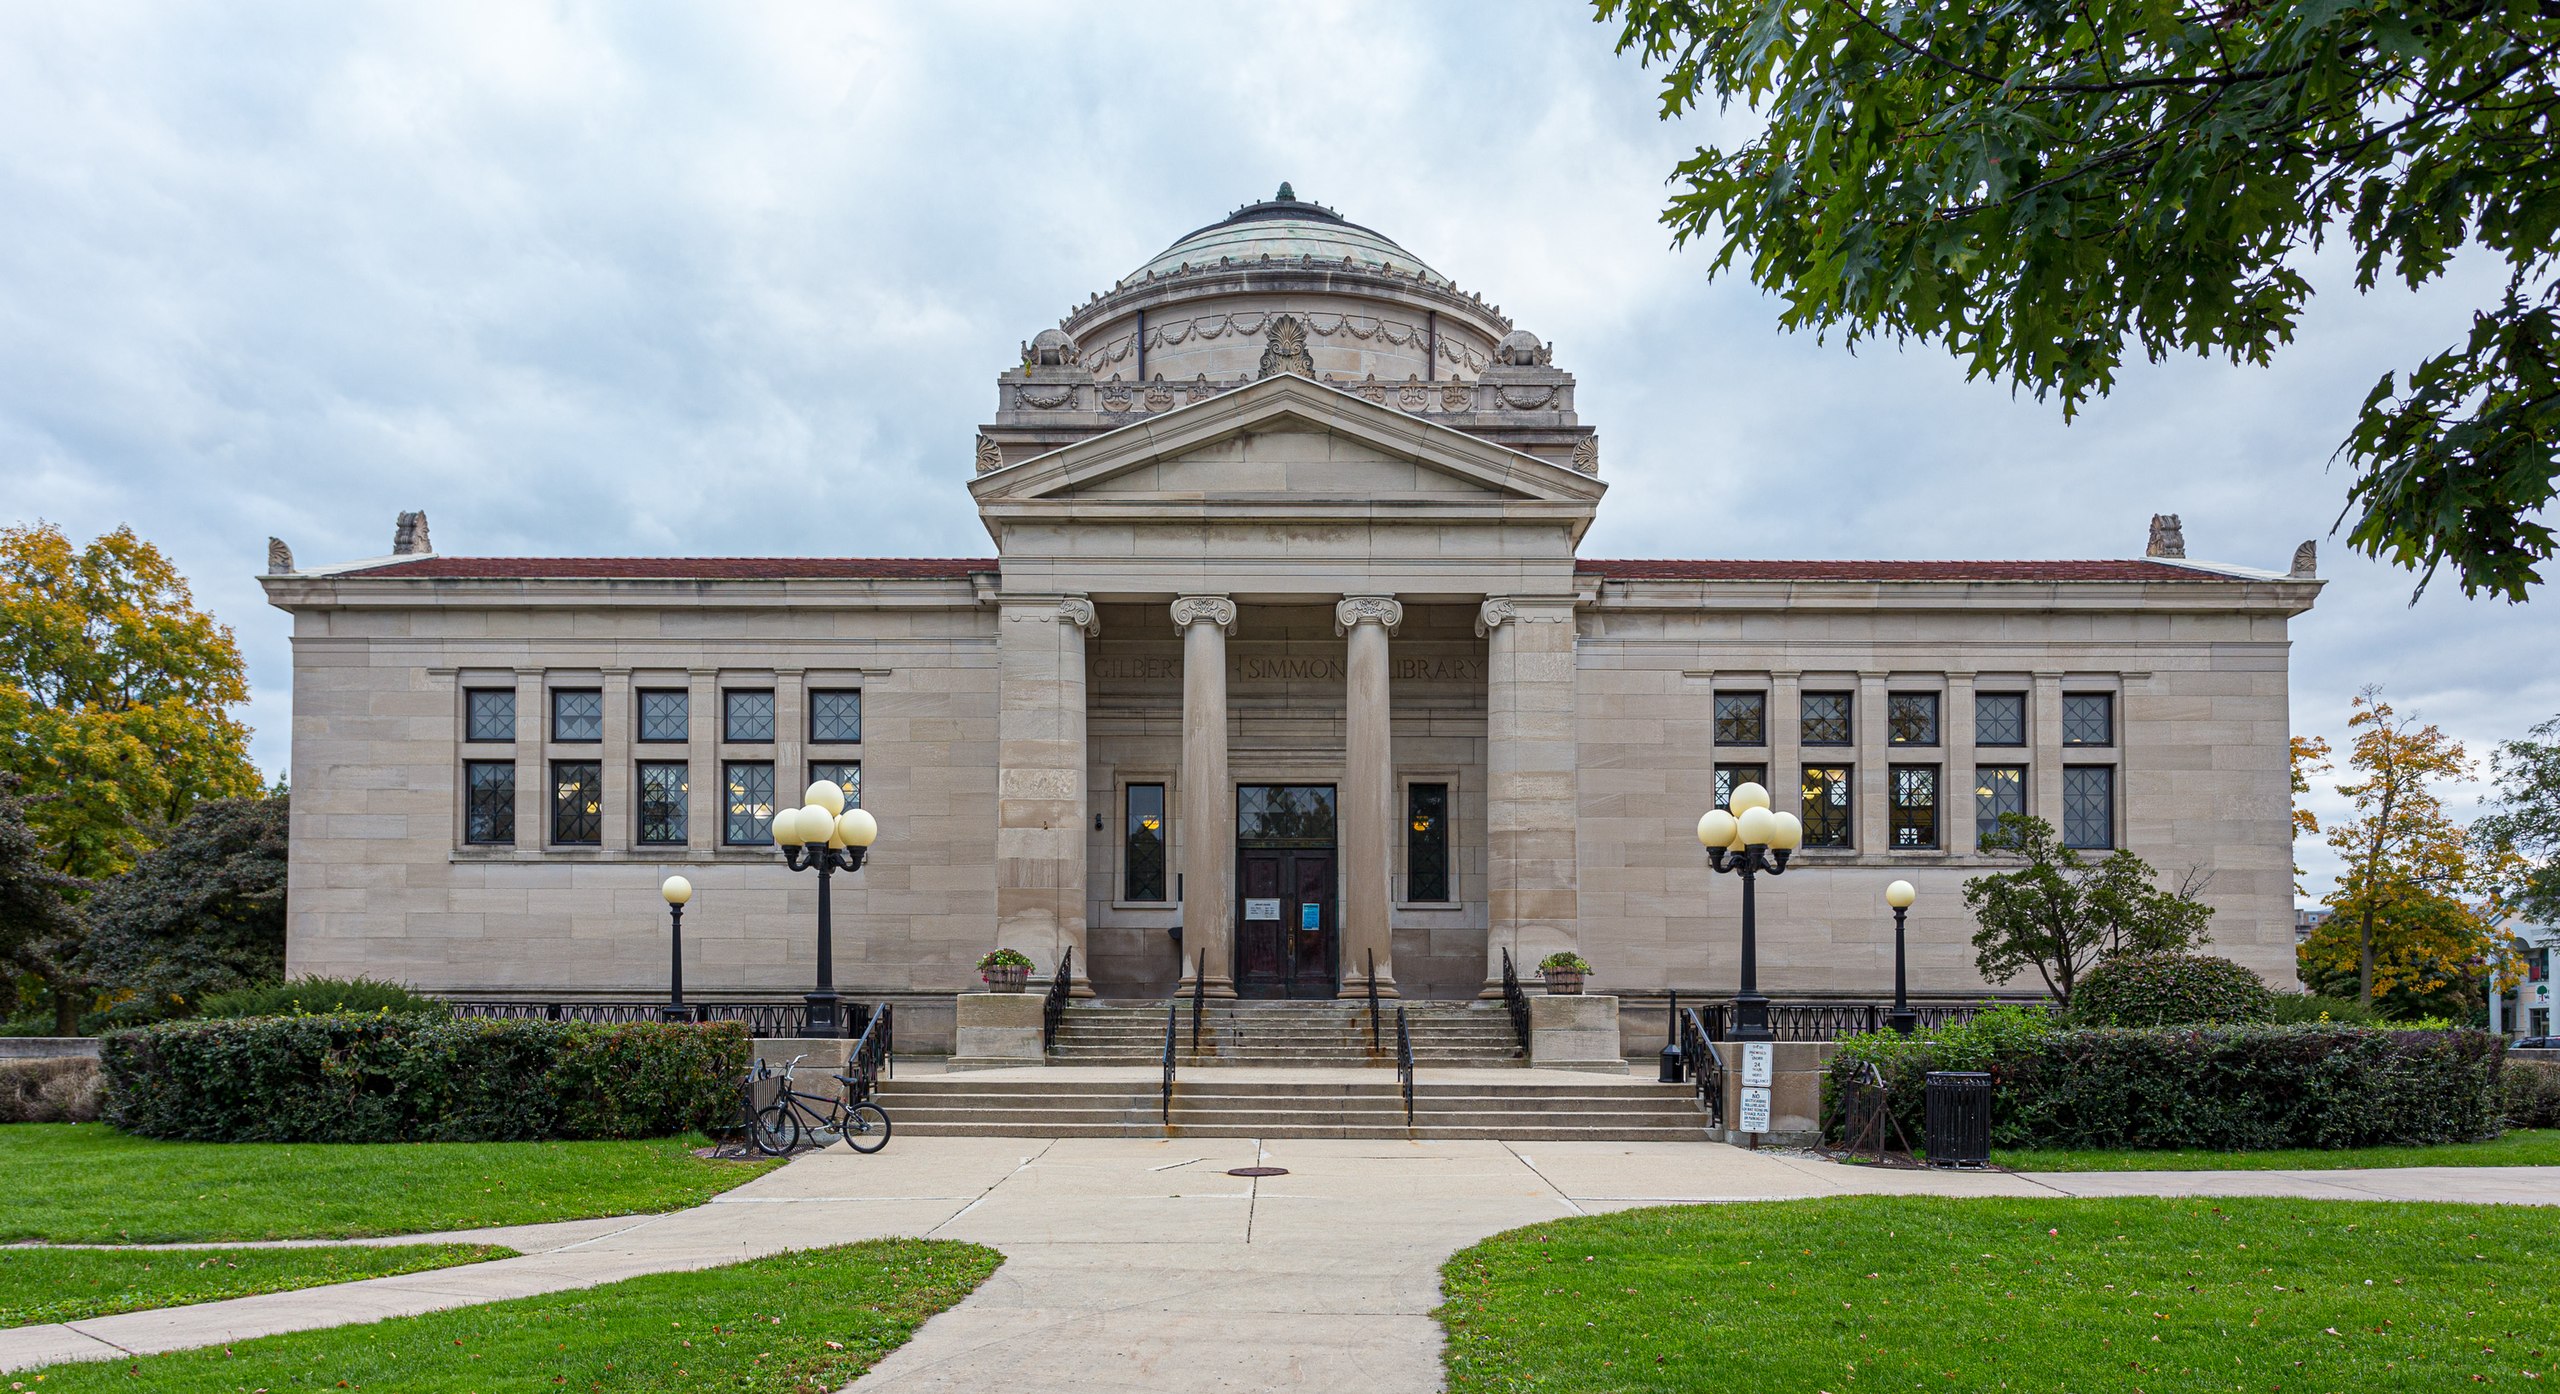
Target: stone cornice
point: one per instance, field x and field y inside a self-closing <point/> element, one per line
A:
<point x="2275" y="598"/>
<point x="303" y="591"/>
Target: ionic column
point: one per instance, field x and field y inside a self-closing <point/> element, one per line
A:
<point x="1532" y="862"/>
<point x="1206" y="831"/>
<point x="1040" y="780"/>
<point x="1368" y="794"/>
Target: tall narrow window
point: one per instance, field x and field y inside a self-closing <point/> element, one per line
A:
<point x="836" y="716"/>
<point x="1142" y="858"/>
<point x="1426" y="842"/>
<point x="663" y="787"/>
<point x="489" y="714"/>
<point x="577" y="803"/>
<point x="1826" y="718"/>
<point x="1912" y="821"/>
<point x="2088" y="718"/>
<point x="1997" y="789"/>
<point x="1826" y="806"/>
<point x="747" y="820"/>
<point x="577" y="716"/>
<point x="844" y="774"/>
<point x="489" y="802"/>
<point x="746" y="717"/>
<point x="664" y="714"/>
<point x="1742" y="718"/>
<point x="2000" y="718"/>
<point x="2089" y="806"/>
<point x="1732" y="777"/>
<point x="1911" y="718"/>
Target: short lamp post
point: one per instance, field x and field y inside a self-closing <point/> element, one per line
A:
<point x="1748" y="842"/>
<point x="677" y="890"/>
<point x="825" y="836"/>
<point x="1899" y="895"/>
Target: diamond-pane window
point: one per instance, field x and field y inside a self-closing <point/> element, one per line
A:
<point x="1911" y="718"/>
<point x="1732" y="777"/>
<point x="663" y="714"/>
<point x="747" y="819"/>
<point x="2088" y="718"/>
<point x="490" y="714"/>
<point x="2089" y="806"/>
<point x="2000" y="718"/>
<point x="1742" y="718"/>
<point x="746" y="717"/>
<point x="489" y="801"/>
<point x="1285" y="815"/>
<point x="1426" y="842"/>
<point x="1997" y="789"/>
<point x="577" y="716"/>
<point x="1912" y="820"/>
<point x="844" y="774"/>
<point x="663" y="787"/>
<point x="1826" y="718"/>
<point x="1826" y="806"/>
<point x="1142" y="849"/>
<point x="577" y="803"/>
<point x="836" y="716"/>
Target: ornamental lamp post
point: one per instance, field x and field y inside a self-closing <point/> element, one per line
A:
<point x="1748" y="842"/>
<point x="825" y="836"/>
<point x="677" y="890"/>
<point x="1899" y="895"/>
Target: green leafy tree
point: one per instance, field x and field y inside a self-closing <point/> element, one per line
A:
<point x="2061" y="912"/>
<point x="2526" y="820"/>
<point x="201" y="913"/>
<point x="2045" y="189"/>
<point x="36" y="915"/>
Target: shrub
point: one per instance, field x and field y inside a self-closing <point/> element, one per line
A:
<point x="2311" y="1009"/>
<point x="2231" y="1088"/>
<point x="60" y="1089"/>
<point x="1564" y="961"/>
<point x="313" y="996"/>
<point x="1003" y="958"/>
<point x="2170" y="989"/>
<point x="2532" y="1094"/>
<point x="346" y="1077"/>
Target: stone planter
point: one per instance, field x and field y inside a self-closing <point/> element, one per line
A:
<point x="1005" y="979"/>
<point x="1563" y="982"/>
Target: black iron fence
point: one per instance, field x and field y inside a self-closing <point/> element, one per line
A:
<point x="783" y="1018"/>
<point x="1829" y="1021"/>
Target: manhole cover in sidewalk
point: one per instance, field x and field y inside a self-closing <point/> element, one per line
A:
<point x="1258" y="1171"/>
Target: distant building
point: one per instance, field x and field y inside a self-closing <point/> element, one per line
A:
<point x="2526" y="1011"/>
<point x="2306" y="922"/>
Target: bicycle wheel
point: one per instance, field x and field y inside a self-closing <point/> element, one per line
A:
<point x="866" y="1127"/>
<point x="777" y="1130"/>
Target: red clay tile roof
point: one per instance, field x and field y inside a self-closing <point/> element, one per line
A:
<point x="682" y="568"/>
<point x="1674" y="569"/>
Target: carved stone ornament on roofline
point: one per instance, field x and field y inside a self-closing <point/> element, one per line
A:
<point x="1285" y="349"/>
<point x="990" y="455"/>
<point x="1384" y="610"/>
<point x="1216" y="609"/>
<point x="2306" y="561"/>
<point x="279" y="557"/>
<point x="1586" y="455"/>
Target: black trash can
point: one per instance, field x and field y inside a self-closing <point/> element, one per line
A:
<point x="1957" y="1132"/>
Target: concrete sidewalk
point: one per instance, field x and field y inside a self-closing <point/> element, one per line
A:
<point x="1141" y="1265"/>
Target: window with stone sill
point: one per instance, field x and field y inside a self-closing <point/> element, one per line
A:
<point x="747" y="814"/>
<point x="1827" y="806"/>
<point x="663" y="788"/>
<point x="664" y="715"/>
<point x="1911" y="820"/>
<point x="489" y="714"/>
<point x="577" y="803"/>
<point x="844" y="774"/>
<point x="1742" y="718"/>
<point x="1997" y="789"/>
<point x="489" y="802"/>
<point x="835" y="717"/>
<point x="1826" y="719"/>
<point x="577" y="716"/>
<point x="1731" y="777"/>
<point x="2089" y="807"/>
<point x="2000" y="718"/>
<point x="746" y="717"/>
<point x="1142" y="848"/>
<point x="1911" y="718"/>
<point x="2088" y="718"/>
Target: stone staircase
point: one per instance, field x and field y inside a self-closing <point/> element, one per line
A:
<point x="1301" y="1034"/>
<point x="1242" y="1103"/>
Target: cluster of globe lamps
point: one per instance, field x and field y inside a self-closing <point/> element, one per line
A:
<point x="821" y="835"/>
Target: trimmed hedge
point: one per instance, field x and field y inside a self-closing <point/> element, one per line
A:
<point x="345" y="1077"/>
<point x="2236" y="1088"/>
<point x="305" y="996"/>
<point x="2533" y="1094"/>
<point x="2145" y="989"/>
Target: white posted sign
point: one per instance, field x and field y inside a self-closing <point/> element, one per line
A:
<point x="1262" y="909"/>
<point x="1756" y="1056"/>
<point x="1755" y="1109"/>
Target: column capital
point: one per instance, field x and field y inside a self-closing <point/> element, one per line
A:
<point x="1216" y="609"/>
<point x="1491" y="614"/>
<point x="1349" y="611"/>
<point x="1078" y="611"/>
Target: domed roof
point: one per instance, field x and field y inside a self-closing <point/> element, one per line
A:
<point x="1285" y="227"/>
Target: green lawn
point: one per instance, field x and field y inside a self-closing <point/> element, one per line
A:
<point x="41" y="1285"/>
<point x="801" y="1321"/>
<point x="75" y="1183"/>
<point x="2523" y="1147"/>
<point x="1904" y="1292"/>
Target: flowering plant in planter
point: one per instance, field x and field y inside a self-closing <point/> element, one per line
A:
<point x="1563" y="971"/>
<point x="1004" y="970"/>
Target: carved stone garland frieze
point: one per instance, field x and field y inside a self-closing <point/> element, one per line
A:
<point x="1116" y="396"/>
<point x="1525" y="399"/>
<point x="1385" y="610"/>
<point x="1216" y="609"/>
<point x="1048" y="401"/>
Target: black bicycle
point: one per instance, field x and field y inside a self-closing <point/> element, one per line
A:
<point x="796" y="1119"/>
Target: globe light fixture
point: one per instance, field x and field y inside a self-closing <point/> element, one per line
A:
<point x="824" y="836"/>
<point x="1899" y="895"/>
<point x="677" y="891"/>
<point x="1750" y="841"/>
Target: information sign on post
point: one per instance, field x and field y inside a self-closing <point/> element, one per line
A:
<point x="1755" y="1109"/>
<point x="1756" y="1057"/>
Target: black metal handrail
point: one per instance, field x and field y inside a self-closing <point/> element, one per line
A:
<point x="1703" y="1064"/>
<point x="1374" y="1044"/>
<point x="1199" y="998"/>
<point x="1164" y="1109"/>
<point x="1516" y="1001"/>
<point x="870" y="1061"/>
<point x="1404" y="1065"/>
<point x="1054" y="1010"/>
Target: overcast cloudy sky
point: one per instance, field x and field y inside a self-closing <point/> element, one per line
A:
<point x="639" y="278"/>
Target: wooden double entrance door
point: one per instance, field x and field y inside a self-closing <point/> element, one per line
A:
<point x="1286" y="927"/>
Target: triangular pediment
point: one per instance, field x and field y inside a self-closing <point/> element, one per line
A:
<point x="1286" y="438"/>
